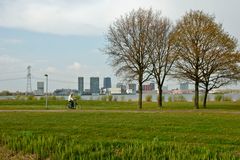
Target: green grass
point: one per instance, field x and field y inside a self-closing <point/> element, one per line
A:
<point x="112" y="105"/>
<point x="188" y="134"/>
<point x="119" y="135"/>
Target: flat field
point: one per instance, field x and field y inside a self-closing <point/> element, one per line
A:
<point x="113" y="105"/>
<point x="91" y="133"/>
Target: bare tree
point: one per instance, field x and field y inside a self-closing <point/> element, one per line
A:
<point x="129" y="46"/>
<point x="220" y="66"/>
<point x="163" y="56"/>
<point x="206" y="52"/>
<point x="188" y="35"/>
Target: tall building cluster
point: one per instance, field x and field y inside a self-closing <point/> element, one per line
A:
<point x="94" y="85"/>
<point x="107" y="88"/>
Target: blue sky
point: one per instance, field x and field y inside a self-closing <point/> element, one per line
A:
<point x="63" y="38"/>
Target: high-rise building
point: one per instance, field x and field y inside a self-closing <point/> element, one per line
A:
<point x="94" y="85"/>
<point x="80" y="85"/>
<point x="184" y="86"/>
<point x="107" y="83"/>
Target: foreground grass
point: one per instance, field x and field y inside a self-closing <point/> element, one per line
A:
<point x="99" y="135"/>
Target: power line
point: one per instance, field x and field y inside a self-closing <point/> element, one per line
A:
<point x="11" y="72"/>
<point x="37" y="78"/>
<point x="54" y="80"/>
<point x="12" y="79"/>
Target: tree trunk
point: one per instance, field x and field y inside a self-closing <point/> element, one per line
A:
<point x="140" y="78"/>
<point x="205" y="99"/>
<point x="140" y="95"/>
<point x="196" y="100"/>
<point x="159" y="96"/>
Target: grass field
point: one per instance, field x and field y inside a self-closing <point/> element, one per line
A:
<point x="100" y="105"/>
<point x="188" y="134"/>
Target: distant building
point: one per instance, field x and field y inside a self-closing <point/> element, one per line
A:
<point x="80" y="85"/>
<point x="165" y="88"/>
<point x="40" y="89"/>
<point x="184" y="86"/>
<point x="152" y="86"/>
<point x="94" y="85"/>
<point x="64" y="92"/>
<point x="133" y="88"/>
<point x="87" y="92"/>
<point x="107" y="83"/>
<point x="114" y="91"/>
<point x="146" y="87"/>
<point x="122" y="86"/>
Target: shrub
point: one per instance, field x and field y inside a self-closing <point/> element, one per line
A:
<point x="53" y="98"/>
<point x="227" y="98"/>
<point x="179" y="98"/>
<point x="218" y="97"/>
<point x="78" y="97"/>
<point x="110" y="98"/>
<point x="115" y="98"/>
<point x="31" y="98"/>
<point x="148" y="98"/>
<point x="42" y="98"/>
<point x="104" y="98"/>
<point x="170" y="99"/>
<point x="19" y="97"/>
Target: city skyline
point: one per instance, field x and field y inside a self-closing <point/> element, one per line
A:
<point x="64" y="39"/>
<point x="83" y="87"/>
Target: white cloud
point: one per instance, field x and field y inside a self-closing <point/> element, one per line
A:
<point x="91" y="17"/>
<point x="51" y="70"/>
<point x="6" y="60"/>
<point x="66" y="16"/>
<point x="15" y="66"/>
<point x="76" y="67"/>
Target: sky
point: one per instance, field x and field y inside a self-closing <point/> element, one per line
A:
<point x="65" y="38"/>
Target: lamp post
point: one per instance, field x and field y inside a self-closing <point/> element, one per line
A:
<point x="46" y="90"/>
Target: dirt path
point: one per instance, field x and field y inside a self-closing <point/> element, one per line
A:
<point x="6" y="154"/>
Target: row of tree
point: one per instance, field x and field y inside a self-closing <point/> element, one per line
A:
<point x="143" y="45"/>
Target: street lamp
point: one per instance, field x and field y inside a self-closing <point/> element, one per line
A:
<point x="46" y="90"/>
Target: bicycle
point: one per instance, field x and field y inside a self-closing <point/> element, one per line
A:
<point x="69" y="105"/>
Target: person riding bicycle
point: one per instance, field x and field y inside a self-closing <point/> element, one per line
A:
<point x="71" y="100"/>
